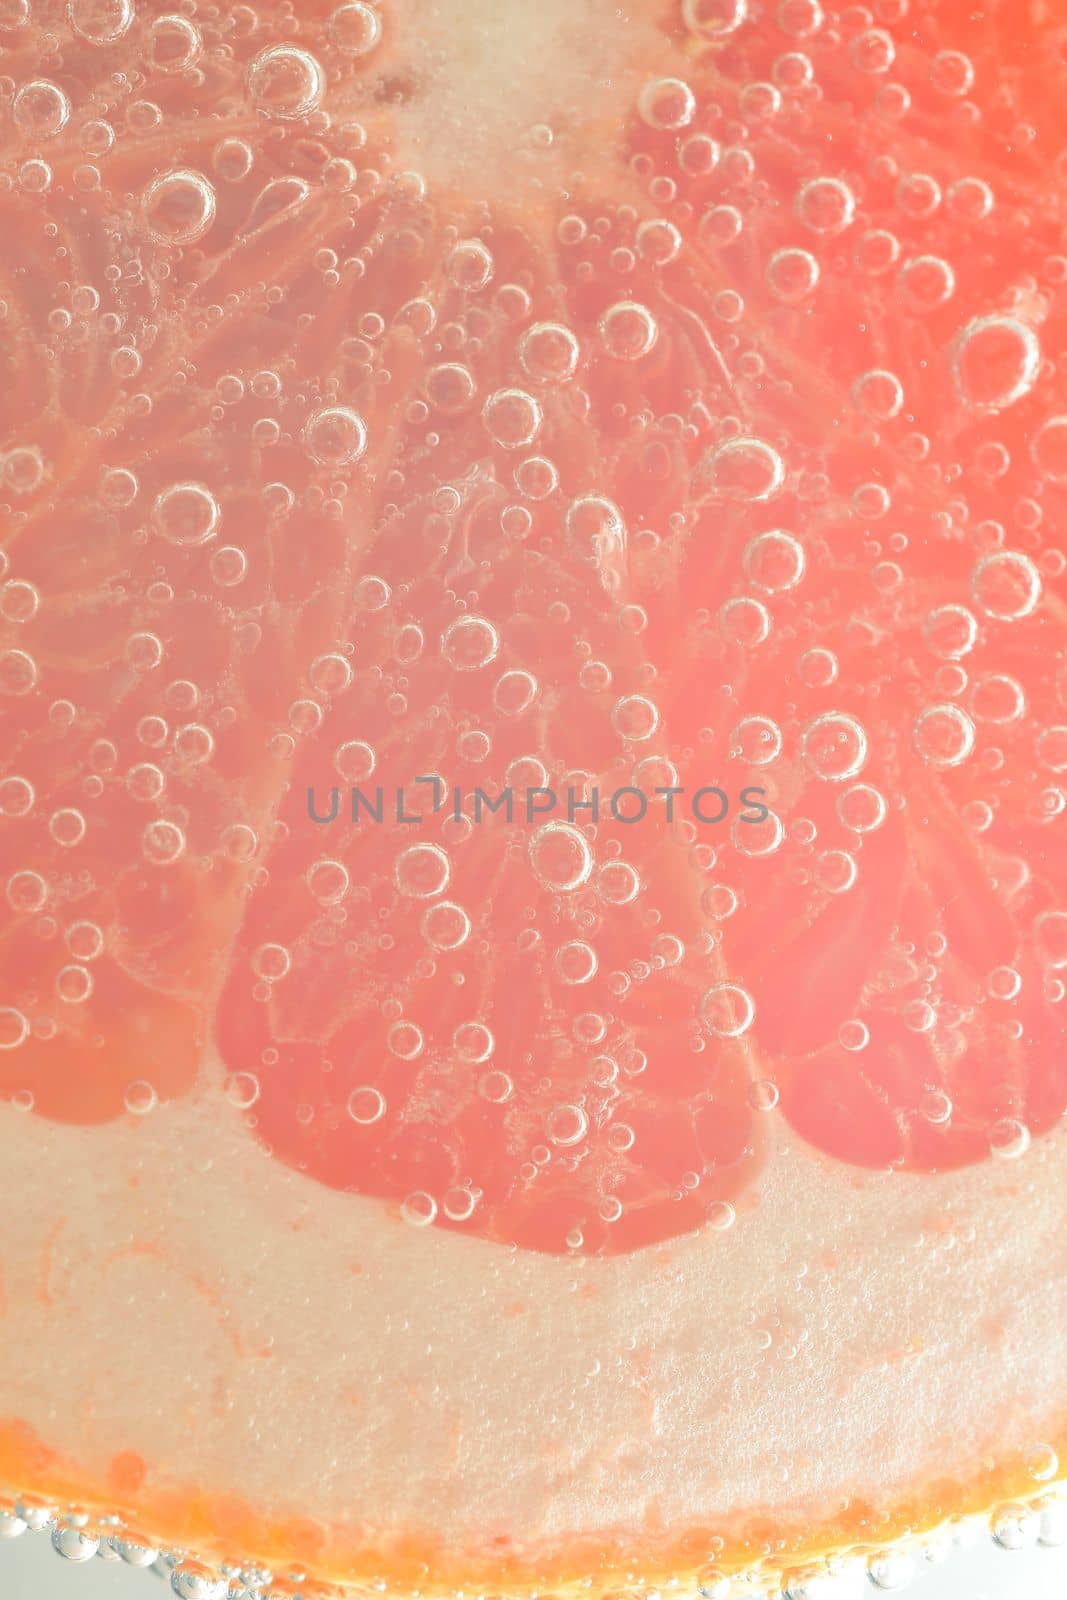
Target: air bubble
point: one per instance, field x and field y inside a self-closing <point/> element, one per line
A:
<point x="186" y="514"/>
<point x="826" y="205"/>
<point x="666" y="104"/>
<point x="744" y="470"/>
<point x="40" y="109"/>
<point x="792" y="275"/>
<point x="995" y="362"/>
<point x="628" y="331"/>
<point x="1048" y="448"/>
<point x="355" y="29"/>
<point x="470" y="643"/>
<point x="100" y="21"/>
<point x="1006" y="585"/>
<point x="422" y="871"/>
<point x="445" y="926"/>
<point x="512" y="418"/>
<point x="336" y="436"/>
<point x="174" y="44"/>
<point x="774" y="561"/>
<point x="285" y="81"/>
<point x="714" y="19"/>
<point x="727" y="1011"/>
<point x="560" y="856"/>
<point x="834" y="746"/>
<point x="549" y="352"/>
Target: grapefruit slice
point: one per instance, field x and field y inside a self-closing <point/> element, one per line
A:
<point x="535" y="890"/>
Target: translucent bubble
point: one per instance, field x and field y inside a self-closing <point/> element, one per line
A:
<point x="720" y="226"/>
<point x="335" y="436"/>
<point x="774" y="561"/>
<point x="470" y="643"/>
<point x="1009" y="1139"/>
<point x="366" y="1105"/>
<point x="943" y="735"/>
<point x="140" y="1098"/>
<point x="228" y="566"/>
<point x="14" y="1028"/>
<point x="163" y="843"/>
<point x="40" y="109"/>
<point x="405" y="1041"/>
<point x="594" y="527"/>
<point x="74" y="1544"/>
<point x="186" y="514"/>
<point x="100" y="21"/>
<point x="422" y="871"/>
<point x="744" y="621"/>
<point x="792" y="275"/>
<point x="997" y="698"/>
<point x="549" y="352"/>
<point x="872" y="51"/>
<point x="1050" y="934"/>
<point x="1052" y="748"/>
<point x="512" y="418"/>
<point x="635" y="717"/>
<point x="470" y="265"/>
<point x="835" y="871"/>
<point x="745" y="470"/>
<point x="926" y="283"/>
<point x="1048" y="447"/>
<point x="666" y="104"/>
<point x="26" y="891"/>
<point x="618" y="883"/>
<point x="445" y="925"/>
<point x="995" y="362"/>
<point x="834" y="746"/>
<point x="658" y="241"/>
<point x="16" y="797"/>
<point x="355" y="29"/>
<point x="355" y="761"/>
<point x="713" y="19"/>
<point x="14" y="13"/>
<point x="575" y="962"/>
<point x="174" y="44"/>
<point x="566" y="1125"/>
<point x="450" y="388"/>
<point x="756" y="740"/>
<point x="951" y="72"/>
<point x="286" y="81"/>
<point x="19" y="600"/>
<point x="970" y="199"/>
<point x="560" y="856"/>
<point x="818" y="668"/>
<point x="825" y="205"/>
<point x="473" y="1042"/>
<point x="727" y="1011"/>
<point x="67" y="827"/>
<point x="18" y="672"/>
<point x="878" y="394"/>
<point x="861" y="808"/>
<point x="628" y="331"/>
<point x="328" y="881"/>
<point x="950" y="632"/>
<point x="1006" y="585"/>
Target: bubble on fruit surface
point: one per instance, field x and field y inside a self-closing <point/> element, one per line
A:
<point x="943" y="735"/>
<point x="450" y="388"/>
<point x="178" y="207"/>
<point x="995" y="362"/>
<point x="628" y="331"/>
<point x="926" y="283"/>
<point x="727" y="1011"/>
<point x="74" y="1544"/>
<point x="470" y="265"/>
<point x="445" y="925"/>
<point x="834" y="746"/>
<point x="1048" y="449"/>
<point x="286" y="81"/>
<point x="862" y="808"/>
<point x="998" y="698"/>
<point x="745" y="470"/>
<point x="593" y="527"/>
<point x="335" y="436"/>
<point x="100" y="21"/>
<point x="792" y="275"/>
<point x="422" y="871"/>
<point x="512" y="418"/>
<point x="774" y="561"/>
<point x="1006" y="585"/>
<point x="186" y="514"/>
<point x="40" y="109"/>
<point x="756" y="740"/>
<point x="470" y="643"/>
<point x="826" y="205"/>
<point x="560" y="857"/>
<point x="714" y="19"/>
<point x="666" y="104"/>
<point x="355" y="29"/>
<point x="634" y="716"/>
<point x="174" y="44"/>
<point x="549" y="352"/>
<point x="405" y="1041"/>
<point x="1050" y="934"/>
<point x="1009" y="1139"/>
